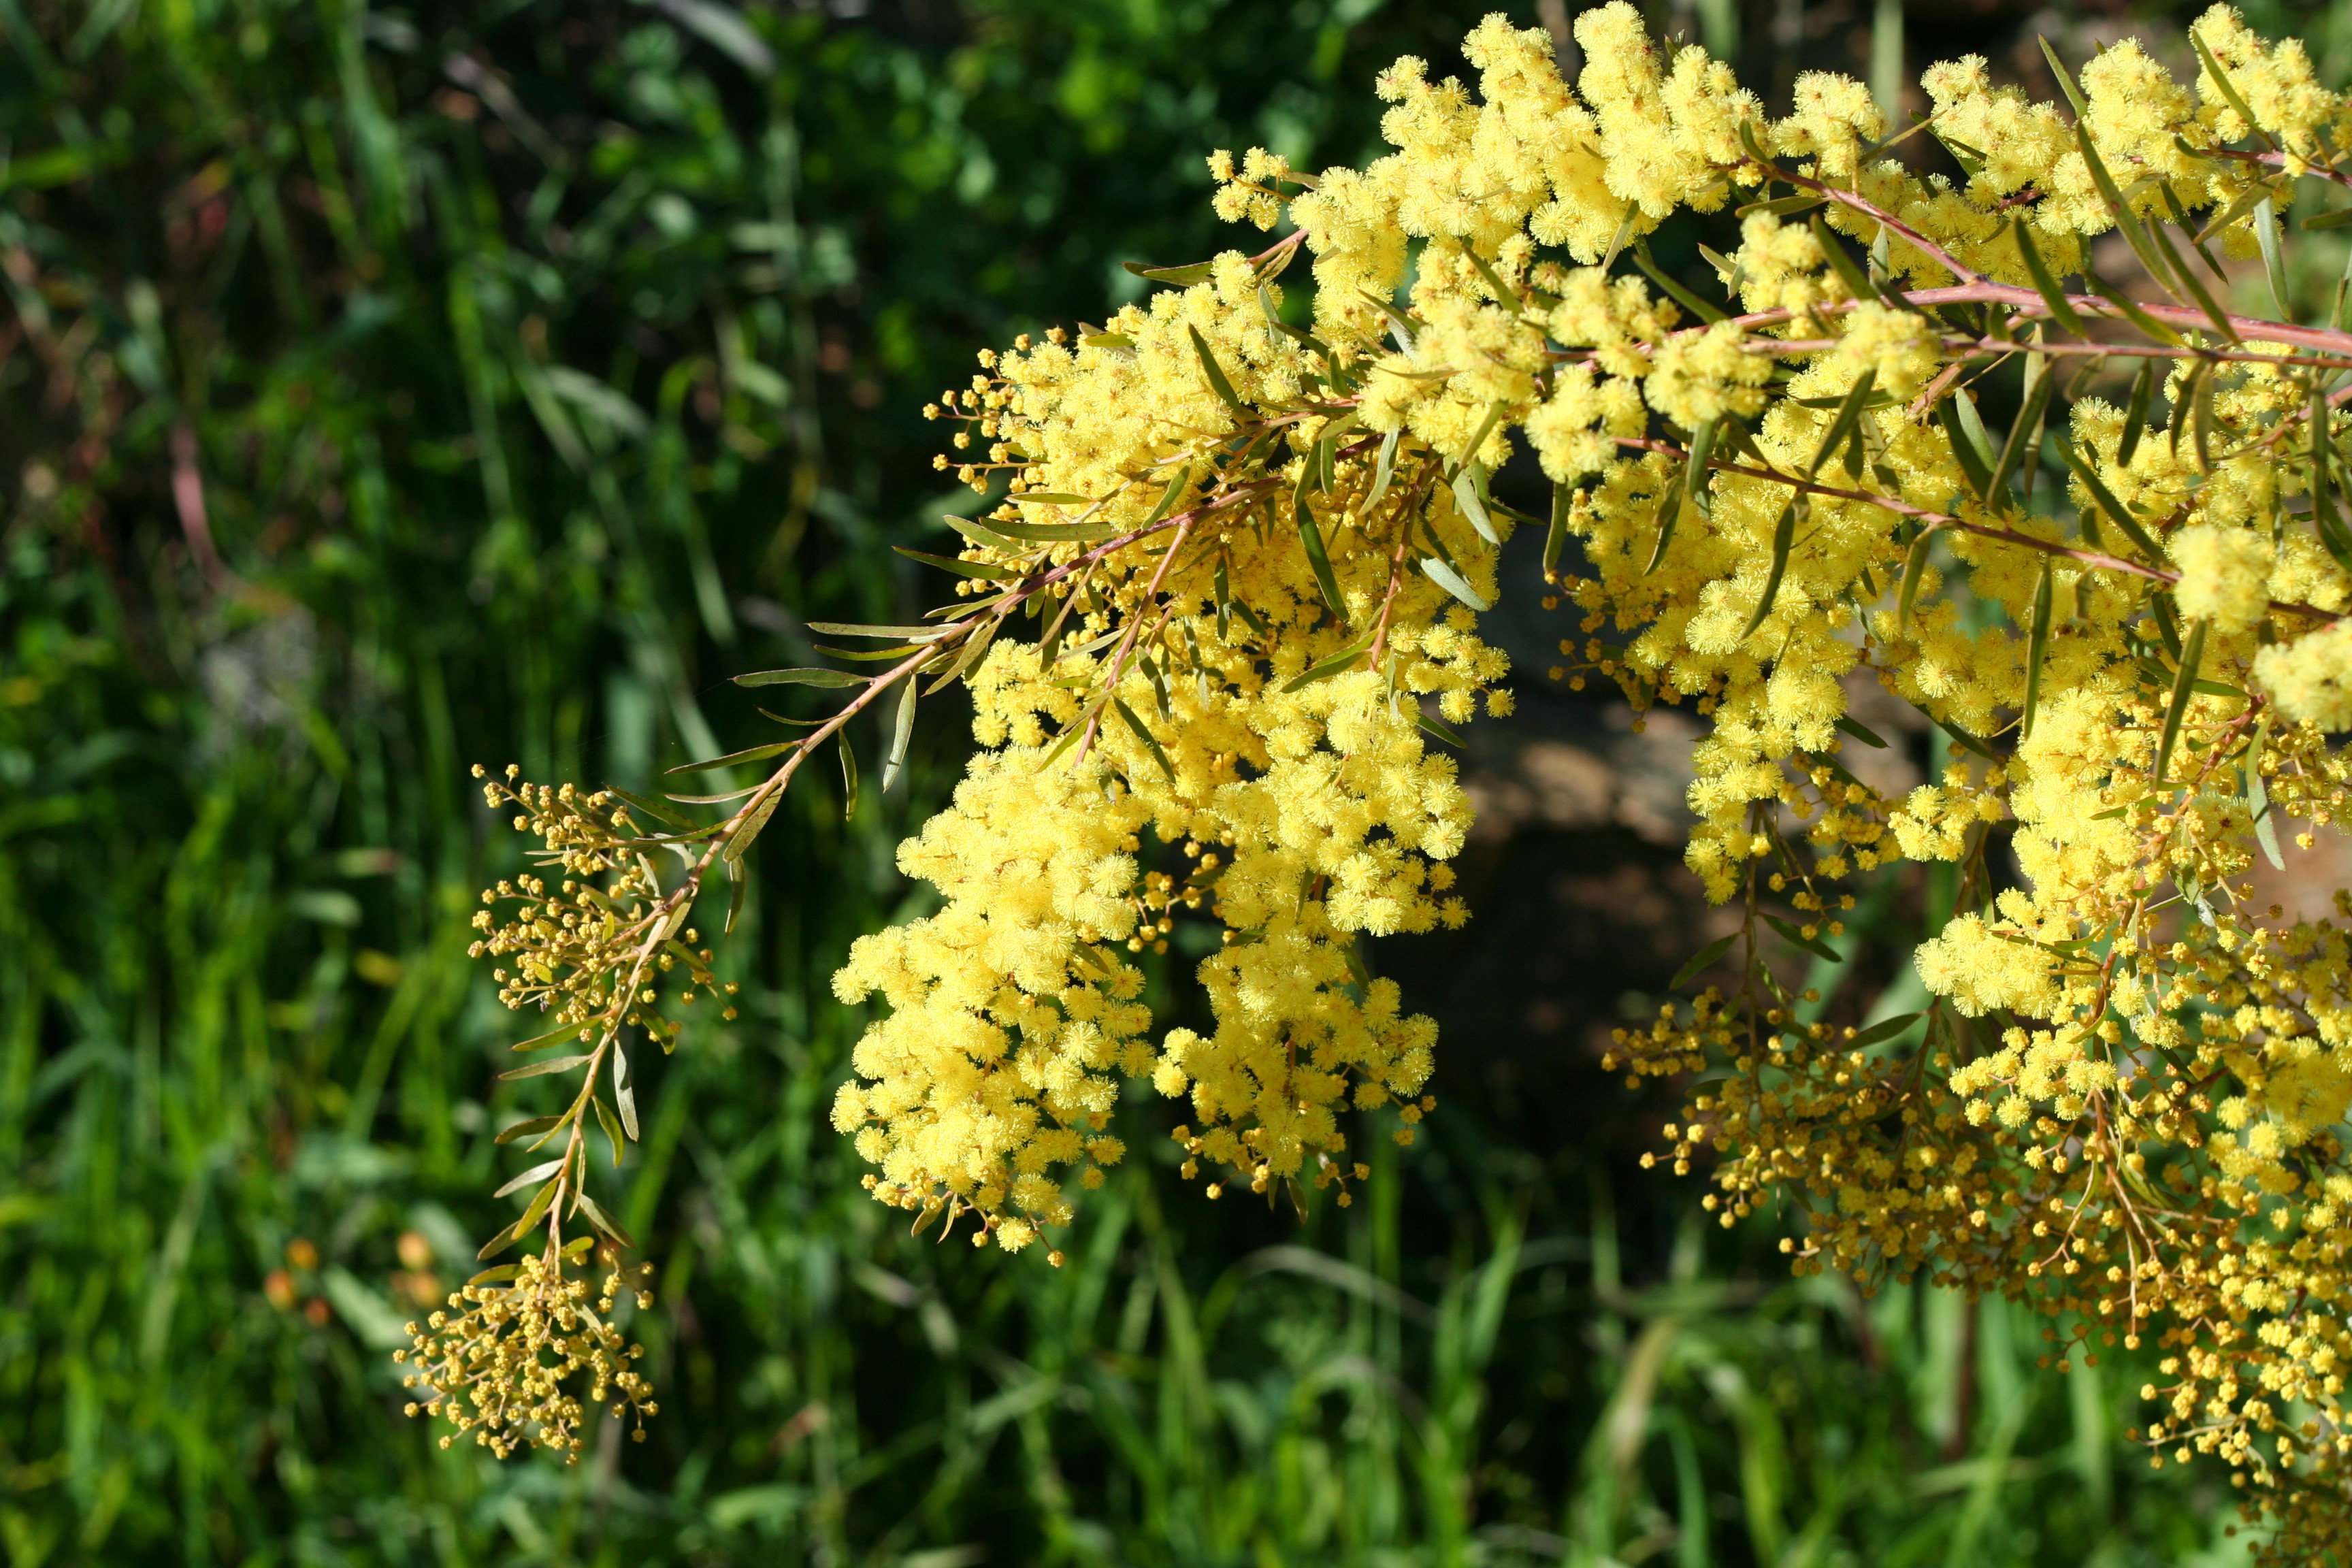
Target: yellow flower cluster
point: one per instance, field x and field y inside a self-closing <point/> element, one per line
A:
<point x="497" y="1361"/>
<point x="1249" y="537"/>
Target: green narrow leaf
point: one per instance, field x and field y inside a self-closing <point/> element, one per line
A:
<point x="1383" y="471"/>
<point x="1846" y="421"/>
<point x="1176" y="488"/>
<point x="740" y="845"/>
<point x="1915" y="564"/>
<point x="2065" y="79"/>
<point x="530" y="1129"/>
<point x="2132" y="313"/>
<point x="1191" y="272"/>
<point x="1854" y="727"/>
<point x="2045" y="283"/>
<point x="1783" y="206"/>
<point x="1436" y="727"/>
<point x="1319" y="562"/>
<point x="1144" y="735"/>
<point x="800" y="678"/>
<point x="1967" y="740"/>
<point x="902" y="727"/>
<point x="2196" y="290"/>
<point x="2143" y="394"/>
<point x="2258" y="805"/>
<point x="1784" y="535"/>
<point x="1700" y="960"/>
<point x="887" y="634"/>
<point x="2221" y="80"/>
<point x="560" y="1032"/>
<point x="1884" y="1029"/>
<point x="980" y="534"/>
<point x="1857" y="281"/>
<point x="1215" y="373"/>
<point x="1695" y="493"/>
<point x="552" y="1064"/>
<point x="1813" y="945"/>
<point x="2025" y="435"/>
<point x="2236" y="210"/>
<point x="2192" y="652"/>
<point x="2135" y="233"/>
<point x="2339" y="218"/>
<point x="737" y="881"/>
<point x="499" y="1276"/>
<point x="2266" y="234"/>
<point x="1503" y="294"/>
<point x="1670" y="511"/>
<point x="1447" y="578"/>
<point x="2107" y="503"/>
<point x="1055" y="533"/>
<point x="537" y="1173"/>
<point x="848" y="774"/>
<point x="754" y="754"/>
<point x="1556" y="538"/>
<point x="1474" y="505"/>
<point x="2201" y="417"/>
<point x="1682" y="296"/>
<point x="945" y="564"/>
<point x="1486" y="429"/>
<point x="604" y="1222"/>
<point x="1975" y="460"/>
<point x="611" y="1126"/>
<point x="2037" y="646"/>
<point x="1338" y="663"/>
<point x="1625" y="228"/>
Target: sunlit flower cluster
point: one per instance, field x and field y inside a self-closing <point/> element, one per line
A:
<point x="1219" y="614"/>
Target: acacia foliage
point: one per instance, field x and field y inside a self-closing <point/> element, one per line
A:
<point x="1251" y="546"/>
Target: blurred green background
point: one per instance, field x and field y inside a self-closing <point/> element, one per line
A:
<point x="387" y="388"/>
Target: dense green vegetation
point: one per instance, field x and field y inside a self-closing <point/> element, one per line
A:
<point x="390" y="389"/>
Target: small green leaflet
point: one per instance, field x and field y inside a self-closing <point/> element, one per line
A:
<point x="1813" y="945"/>
<point x="1886" y="1029"/>
<point x="848" y="773"/>
<point x="902" y="726"/>
<point x="1215" y="371"/>
<point x="1974" y="460"/>
<point x="561" y="1032"/>
<point x="1556" y="538"/>
<point x="536" y="1174"/>
<point x="1447" y="578"/>
<point x="1700" y="960"/>
<point x="755" y="755"/>
<point x="2192" y="652"/>
<point x="1319" y="562"/>
<point x="2044" y="282"/>
<point x="2143" y="393"/>
<point x="1336" y="664"/>
<point x="1193" y="272"/>
<point x="2065" y="79"/>
<point x="890" y="633"/>
<point x="1784" y="534"/>
<point x="1854" y="727"/>
<point x="800" y="678"/>
<point x="1474" y="505"/>
<point x="2258" y="807"/>
<point x="2266" y="234"/>
<point x="552" y="1064"/>
<point x="2037" y="649"/>
<point x="1144" y="735"/>
<point x="945" y="564"/>
<point x="537" y="1124"/>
